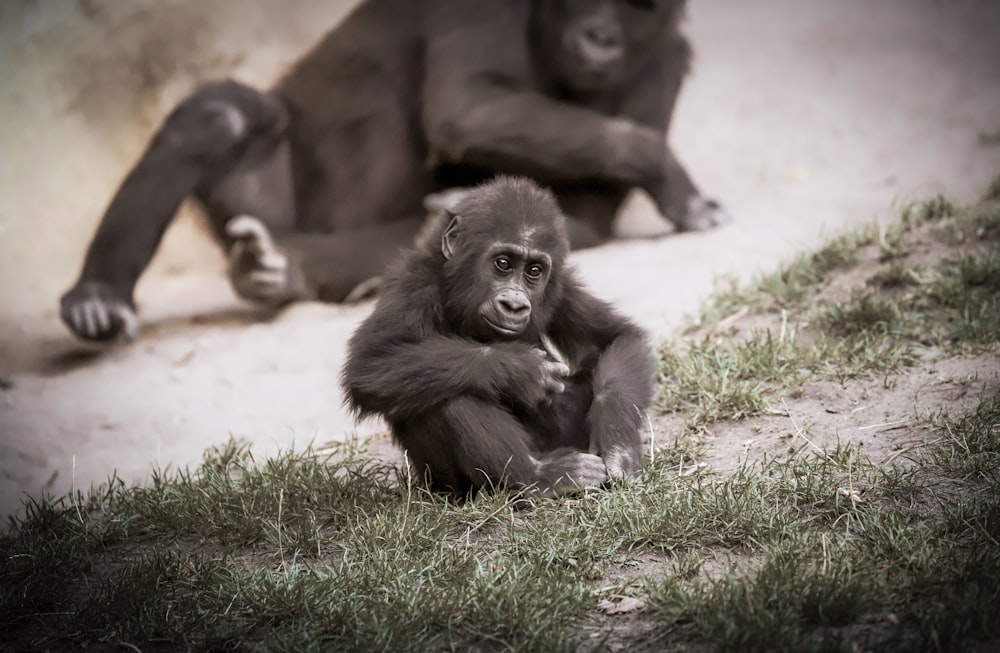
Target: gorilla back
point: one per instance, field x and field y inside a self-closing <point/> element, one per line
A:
<point x="492" y="364"/>
<point x="316" y="185"/>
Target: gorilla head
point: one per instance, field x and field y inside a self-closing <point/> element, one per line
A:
<point x="503" y="249"/>
<point x="599" y="40"/>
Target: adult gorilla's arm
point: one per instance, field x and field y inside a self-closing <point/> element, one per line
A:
<point x="622" y="378"/>
<point x="482" y="105"/>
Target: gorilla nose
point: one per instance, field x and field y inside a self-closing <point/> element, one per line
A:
<point x="514" y="304"/>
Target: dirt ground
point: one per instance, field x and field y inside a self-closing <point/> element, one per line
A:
<point x="803" y="116"/>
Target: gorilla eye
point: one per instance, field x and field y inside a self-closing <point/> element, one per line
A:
<point x="534" y="271"/>
<point x="502" y="263"/>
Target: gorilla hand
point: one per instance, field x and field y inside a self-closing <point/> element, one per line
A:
<point x="93" y="310"/>
<point x="702" y="214"/>
<point x="532" y="377"/>
<point x="622" y="464"/>
<point x="552" y="373"/>
<point x="678" y="199"/>
<point x="258" y="269"/>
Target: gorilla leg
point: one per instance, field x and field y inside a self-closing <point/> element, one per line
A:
<point x="471" y="443"/>
<point x="208" y="135"/>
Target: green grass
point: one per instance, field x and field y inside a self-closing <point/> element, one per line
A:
<point x="821" y="548"/>
<point x="818" y="550"/>
<point x="870" y="330"/>
<point x="711" y="381"/>
<point x="793" y="284"/>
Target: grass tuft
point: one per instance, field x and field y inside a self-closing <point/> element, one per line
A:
<point x="934" y="209"/>
<point x="862" y="313"/>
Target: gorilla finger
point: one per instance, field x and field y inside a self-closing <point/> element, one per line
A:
<point x="102" y="316"/>
<point x="272" y="260"/>
<point x="553" y="387"/>
<point x="590" y="470"/>
<point x="95" y="318"/>
<point x="267" y="278"/>
<point x="128" y="321"/>
<point x="556" y="369"/>
<point x="85" y="321"/>
<point x="79" y="321"/>
<point x="553" y="351"/>
<point x="252" y="231"/>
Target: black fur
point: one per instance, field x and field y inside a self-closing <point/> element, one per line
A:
<point x="403" y="99"/>
<point x="475" y="408"/>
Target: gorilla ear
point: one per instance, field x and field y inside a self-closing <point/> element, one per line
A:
<point x="450" y="237"/>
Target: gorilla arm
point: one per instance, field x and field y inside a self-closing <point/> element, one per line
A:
<point x="409" y="378"/>
<point x="492" y="112"/>
<point x="622" y="377"/>
<point x="486" y="111"/>
<point x="400" y="365"/>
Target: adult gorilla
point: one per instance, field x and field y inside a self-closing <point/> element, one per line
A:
<point x="492" y="364"/>
<point x="327" y="172"/>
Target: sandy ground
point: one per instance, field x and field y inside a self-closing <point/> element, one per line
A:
<point x="803" y="116"/>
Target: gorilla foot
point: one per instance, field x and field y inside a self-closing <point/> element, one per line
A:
<point x="563" y="472"/>
<point x="258" y="269"/>
<point x="622" y="464"/>
<point x="94" y="311"/>
<point x="703" y="214"/>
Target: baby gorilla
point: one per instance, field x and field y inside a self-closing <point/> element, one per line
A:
<point x="492" y="364"/>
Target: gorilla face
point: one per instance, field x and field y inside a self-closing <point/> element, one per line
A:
<point x="515" y="278"/>
<point x="597" y="39"/>
<point x="502" y="247"/>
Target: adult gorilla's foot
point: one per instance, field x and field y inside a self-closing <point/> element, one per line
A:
<point x="258" y="269"/>
<point x="93" y="310"/>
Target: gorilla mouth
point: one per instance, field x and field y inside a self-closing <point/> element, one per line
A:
<point x="507" y="329"/>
